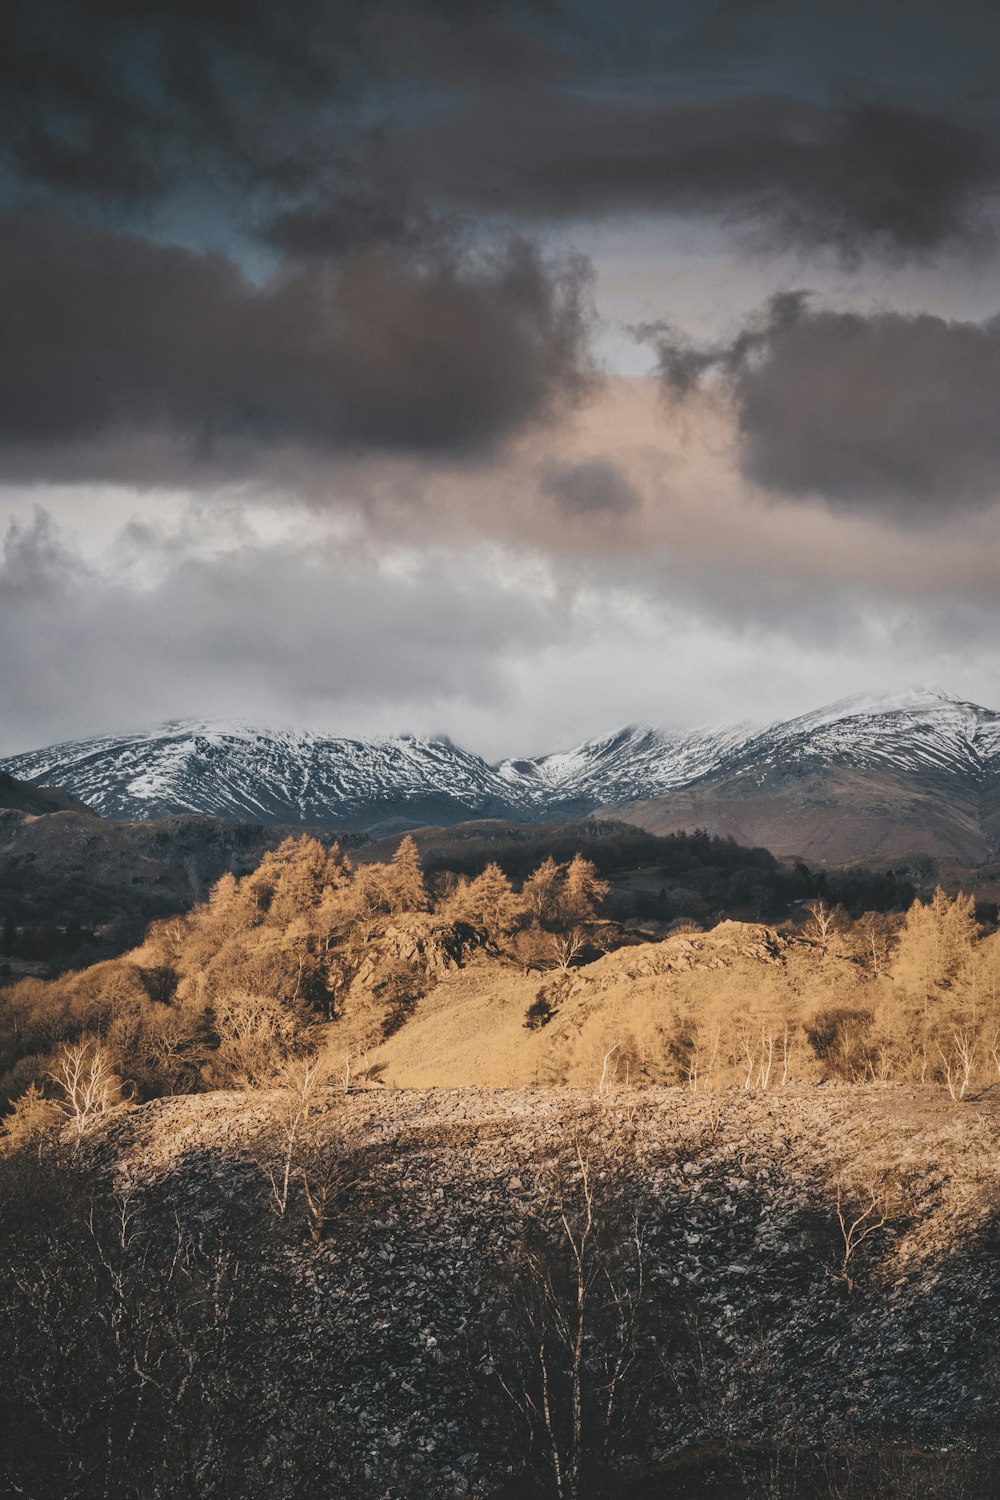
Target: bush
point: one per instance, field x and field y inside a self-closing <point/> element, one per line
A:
<point x="539" y="1013"/>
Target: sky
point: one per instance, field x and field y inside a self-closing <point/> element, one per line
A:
<point x="504" y="371"/>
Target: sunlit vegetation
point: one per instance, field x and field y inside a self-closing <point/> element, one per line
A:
<point x="261" y="972"/>
<point x="312" y="956"/>
<point x="87" y="891"/>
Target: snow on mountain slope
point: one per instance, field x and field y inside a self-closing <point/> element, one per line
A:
<point x="296" y="776"/>
<point x="923" y="729"/>
<point x="634" y="762"/>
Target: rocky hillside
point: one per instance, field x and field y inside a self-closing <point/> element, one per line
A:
<point x="382" y="1348"/>
<point x="836" y="814"/>
<point x="619" y="1016"/>
<point x="882" y="779"/>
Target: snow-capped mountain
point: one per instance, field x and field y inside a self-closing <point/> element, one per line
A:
<point x="865" y="778"/>
<point x="238" y="770"/>
<point x="923" y="729"/>
<point x="636" y="762"/>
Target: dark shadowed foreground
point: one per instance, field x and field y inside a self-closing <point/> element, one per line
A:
<point x="553" y="1293"/>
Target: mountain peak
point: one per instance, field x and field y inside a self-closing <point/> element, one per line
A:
<point x="918" y="698"/>
<point x="236" y="769"/>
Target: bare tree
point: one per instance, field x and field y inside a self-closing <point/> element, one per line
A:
<point x="700" y="1056"/>
<point x="959" y="1061"/>
<point x="764" y="1051"/>
<point x="120" y="1350"/>
<point x="569" y="1342"/>
<point x="301" y="1085"/>
<point x="824" y="921"/>
<point x="142" y="1346"/>
<point x="87" y="1082"/>
<point x="294" y="1161"/>
<point x="349" y="1067"/>
<point x="565" y="946"/>
<point x="995" y="1050"/>
<point x="605" y="1081"/>
<point x="862" y="1211"/>
<point x="880" y="1063"/>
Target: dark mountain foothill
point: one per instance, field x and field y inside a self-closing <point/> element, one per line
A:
<point x="26" y="797"/>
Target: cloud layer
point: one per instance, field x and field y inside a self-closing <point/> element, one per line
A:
<point x="862" y="177"/>
<point x="323" y="267"/>
<point x="109" y="338"/>
<point x="884" y="412"/>
<point x="654" y="587"/>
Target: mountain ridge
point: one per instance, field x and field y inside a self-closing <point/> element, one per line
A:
<point x="906" y="746"/>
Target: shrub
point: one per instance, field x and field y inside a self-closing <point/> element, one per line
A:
<point x="539" y="1013"/>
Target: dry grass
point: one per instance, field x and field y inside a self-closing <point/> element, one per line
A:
<point x="617" y="1017"/>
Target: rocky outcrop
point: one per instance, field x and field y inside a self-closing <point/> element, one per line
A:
<point x="421" y="943"/>
<point x="726" y="944"/>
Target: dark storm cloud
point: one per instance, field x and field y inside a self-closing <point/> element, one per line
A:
<point x="885" y="413"/>
<point x="701" y="113"/>
<point x="859" y="177"/>
<point x="324" y="126"/>
<point x="116" y="100"/>
<point x="119" y="100"/>
<point x="590" y="490"/>
<point x="128" y="359"/>
<point x="107" y="337"/>
<point x="378" y="209"/>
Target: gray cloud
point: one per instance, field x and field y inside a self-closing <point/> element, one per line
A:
<point x="119" y="102"/>
<point x="328" y="640"/>
<point x="303" y="632"/>
<point x="884" y="412"/>
<point x="109" y="339"/>
<point x="303" y="120"/>
<point x="745" y="112"/>
<point x="372" y="204"/>
<point x="590" y="490"/>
